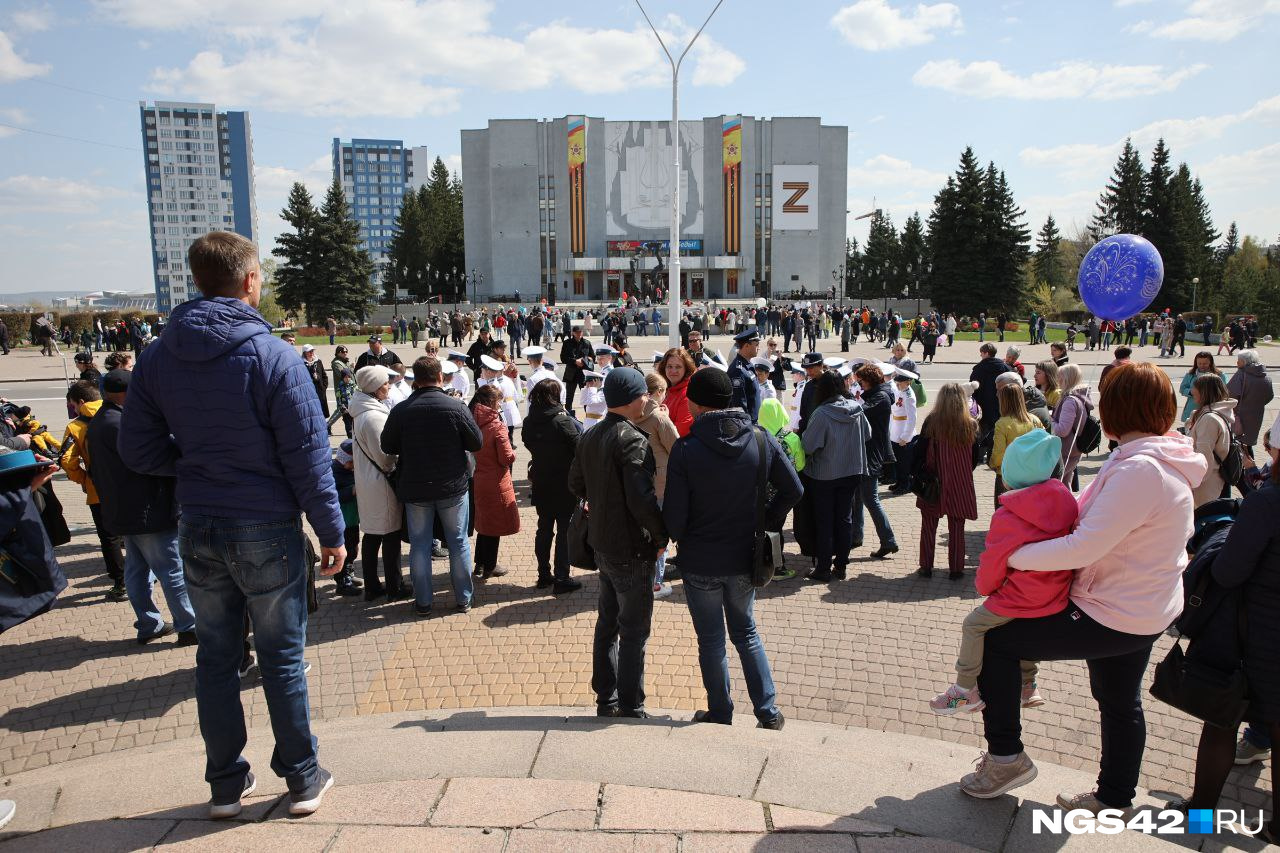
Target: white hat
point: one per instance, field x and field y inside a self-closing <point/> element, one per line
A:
<point x="906" y="374"/>
<point x="549" y="364"/>
<point x="797" y="367"/>
<point x="306" y="348"/>
<point x="835" y="362"/>
<point x="448" y="368"/>
<point x="658" y="356"/>
<point x="605" y="349"/>
<point x="491" y="362"/>
<point x="453" y="353"/>
<point x="371" y="378"/>
<point x="534" y="351"/>
<point x="761" y="363"/>
<point x="591" y="374"/>
<point x="717" y="365"/>
<point x="844" y="371"/>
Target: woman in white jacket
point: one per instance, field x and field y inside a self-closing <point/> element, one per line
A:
<point x="380" y="510"/>
<point x="1210" y="430"/>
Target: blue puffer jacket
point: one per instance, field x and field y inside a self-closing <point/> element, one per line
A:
<point x="230" y="410"/>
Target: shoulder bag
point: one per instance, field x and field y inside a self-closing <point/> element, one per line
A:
<point x="767" y="556"/>
<point x="581" y="554"/>
<point x="1216" y="696"/>
<point x="926" y="483"/>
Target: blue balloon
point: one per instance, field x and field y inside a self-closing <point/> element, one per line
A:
<point x="1120" y="276"/>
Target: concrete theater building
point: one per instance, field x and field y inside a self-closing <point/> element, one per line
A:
<point x="574" y="208"/>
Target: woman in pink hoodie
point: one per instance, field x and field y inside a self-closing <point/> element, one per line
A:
<point x="1128" y="550"/>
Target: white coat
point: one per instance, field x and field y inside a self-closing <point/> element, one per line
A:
<point x="380" y="510"/>
<point x="593" y="405"/>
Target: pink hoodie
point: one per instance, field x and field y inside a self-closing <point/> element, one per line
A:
<point x="1130" y="544"/>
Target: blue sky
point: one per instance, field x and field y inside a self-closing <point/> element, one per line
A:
<point x="1046" y="90"/>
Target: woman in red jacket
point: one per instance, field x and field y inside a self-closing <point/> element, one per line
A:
<point x="676" y="367"/>
<point x="496" y="512"/>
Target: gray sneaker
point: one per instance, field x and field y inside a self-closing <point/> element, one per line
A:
<point x="306" y="801"/>
<point x="1247" y="753"/>
<point x="992" y="780"/>
<point x="1089" y="802"/>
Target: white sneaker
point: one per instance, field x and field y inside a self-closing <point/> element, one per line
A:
<point x="8" y="808"/>
<point x="661" y="590"/>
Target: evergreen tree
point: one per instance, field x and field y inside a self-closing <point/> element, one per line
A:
<point x="1006" y="242"/>
<point x="1233" y="241"/>
<point x="406" y="255"/>
<point x="852" y="266"/>
<point x="1048" y="263"/>
<point x="440" y="206"/>
<point x="1161" y="225"/>
<point x="344" y="287"/>
<point x="1122" y="206"/>
<point x="914" y="257"/>
<point x="1196" y="237"/>
<point x="957" y="277"/>
<point x="297" y="251"/>
<point x="881" y="262"/>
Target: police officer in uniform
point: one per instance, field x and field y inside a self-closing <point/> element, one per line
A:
<point x="746" y="394"/>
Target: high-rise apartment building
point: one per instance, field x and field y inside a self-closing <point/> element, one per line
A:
<point x="375" y="174"/>
<point x="199" y="167"/>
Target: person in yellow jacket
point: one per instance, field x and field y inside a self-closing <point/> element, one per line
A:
<point x="83" y="401"/>
<point x="1014" y="421"/>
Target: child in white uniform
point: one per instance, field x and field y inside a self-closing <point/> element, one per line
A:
<point x="593" y="404"/>
<point x="793" y="405"/>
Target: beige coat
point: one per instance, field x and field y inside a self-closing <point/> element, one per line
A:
<point x="1211" y="433"/>
<point x="657" y="425"/>
<point x="380" y="510"/>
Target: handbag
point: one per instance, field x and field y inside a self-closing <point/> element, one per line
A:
<point x="1204" y="691"/>
<point x="767" y="555"/>
<point x="926" y="483"/>
<point x="581" y="554"/>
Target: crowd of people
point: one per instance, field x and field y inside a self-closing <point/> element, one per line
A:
<point x="700" y="451"/>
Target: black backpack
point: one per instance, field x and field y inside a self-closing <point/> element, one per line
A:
<point x="1231" y="466"/>
<point x="1090" y="436"/>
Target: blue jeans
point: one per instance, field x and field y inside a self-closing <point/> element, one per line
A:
<point x="713" y="602"/>
<point x="236" y="566"/>
<point x="453" y="521"/>
<point x="869" y="496"/>
<point x="156" y="553"/>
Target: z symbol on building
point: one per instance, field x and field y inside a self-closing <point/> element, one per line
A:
<point x="798" y="189"/>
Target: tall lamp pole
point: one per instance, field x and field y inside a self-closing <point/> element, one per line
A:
<point x="1195" y="283"/>
<point x="673" y="283"/>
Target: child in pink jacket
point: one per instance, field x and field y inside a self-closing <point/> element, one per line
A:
<point x="1037" y="507"/>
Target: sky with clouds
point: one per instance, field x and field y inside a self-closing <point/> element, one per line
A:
<point x="1049" y="91"/>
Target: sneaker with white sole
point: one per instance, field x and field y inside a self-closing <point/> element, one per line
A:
<point x="956" y="700"/>
<point x="1088" y="801"/>
<point x="992" y="779"/>
<point x="661" y="590"/>
<point x="247" y="666"/>
<point x="8" y="808"/>
<point x="1031" y="697"/>
<point x="1247" y="752"/>
<point x="307" y="800"/>
<point x="222" y="809"/>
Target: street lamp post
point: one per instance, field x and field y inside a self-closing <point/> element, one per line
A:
<point x="1195" y="283"/>
<point x="673" y="283"/>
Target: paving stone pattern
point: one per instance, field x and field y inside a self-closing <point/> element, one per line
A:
<point x="867" y="652"/>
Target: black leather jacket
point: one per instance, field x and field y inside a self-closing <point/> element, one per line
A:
<point x="613" y="471"/>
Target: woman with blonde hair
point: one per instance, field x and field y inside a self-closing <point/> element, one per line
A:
<point x="1014" y="421"/>
<point x="1074" y="407"/>
<point x="1210" y="430"/>
<point x="949" y="432"/>
<point x="1046" y="379"/>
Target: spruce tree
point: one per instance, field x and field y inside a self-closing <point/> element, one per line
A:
<point x="406" y="256"/>
<point x="1122" y="206"/>
<point x="1048" y="261"/>
<point x="1005" y="240"/>
<point x="1196" y="238"/>
<point x="1163" y="218"/>
<point x="881" y="262"/>
<point x="959" y="270"/>
<point x="297" y="250"/>
<point x="914" y="255"/>
<point x="1233" y="241"/>
<point x="345" y="287"/>
<point x="440" y="203"/>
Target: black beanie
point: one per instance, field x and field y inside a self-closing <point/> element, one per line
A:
<point x="710" y="388"/>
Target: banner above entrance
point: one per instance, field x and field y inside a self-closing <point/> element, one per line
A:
<point x="635" y="245"/>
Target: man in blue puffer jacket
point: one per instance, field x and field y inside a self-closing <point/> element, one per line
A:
<point x="230" y="411"/>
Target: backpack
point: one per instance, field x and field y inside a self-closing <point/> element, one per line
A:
<point x="1231" y="466"/>
<point x="1089" y="432"/>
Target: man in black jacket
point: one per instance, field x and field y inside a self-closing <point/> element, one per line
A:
<point x="432" y="432"/>
<point x="709" y="506"/>
<point x="142" y="509"/>
<point x="813" y="368"/>
<point x="985" y="373"/>
<point x="576" y="354"/>
<point x="614" y="472"/>
<point x="377" y="354"/>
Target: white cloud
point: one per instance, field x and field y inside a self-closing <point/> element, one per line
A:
<point x="400" y="57"/>
<point x="38" y="194"/>
<point x="885" y="172"/>
<point x="1259" y="167"/>
<point x="14" y="67"/>
<point x="34" y="19"/>
<point x="454" y="163"/>
<point x="1217" y="20"/>
<point x="875" y="25"/>
<point x="989" y="79"/>
<point x="1081" y="159"/>
<point x="12" y="115"/>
